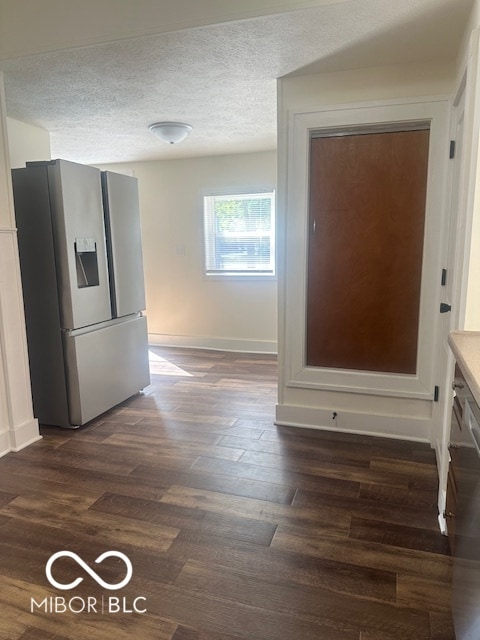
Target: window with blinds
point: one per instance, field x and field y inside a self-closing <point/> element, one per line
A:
<point x="240" y="234"/>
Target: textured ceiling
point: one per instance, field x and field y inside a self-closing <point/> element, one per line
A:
<point x="98" y="100"/>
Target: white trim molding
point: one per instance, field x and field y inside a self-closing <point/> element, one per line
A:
<point x="216" y="344"/>
<point x="373" y="403"/>
<point x="413" y="428"/>
<point x="301" y="125"/>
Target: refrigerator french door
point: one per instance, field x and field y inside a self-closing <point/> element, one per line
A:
<point x="82" y="277"/>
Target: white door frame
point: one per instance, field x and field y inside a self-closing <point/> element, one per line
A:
<point x="451" y="295"/>
<point x="301" y="124"/>
<point x="463" y="203"/>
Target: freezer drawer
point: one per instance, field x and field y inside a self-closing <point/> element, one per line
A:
<point x="105" y="367"/>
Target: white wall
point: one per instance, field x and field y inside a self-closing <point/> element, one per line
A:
<point x="468" y="59"/>
<point x="357" y="85"/>
<point x="184" y="307"/>
<point x="18" y="426"/>
<point x="365" y="412"/>
<point x="26" y="143"/>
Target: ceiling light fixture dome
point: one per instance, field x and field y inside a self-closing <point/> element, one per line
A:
<point x="171" y="132"/>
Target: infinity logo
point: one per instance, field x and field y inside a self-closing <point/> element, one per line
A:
<point x="87" y="569"/>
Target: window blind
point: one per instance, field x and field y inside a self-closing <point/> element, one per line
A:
<point x="240" y="234"/>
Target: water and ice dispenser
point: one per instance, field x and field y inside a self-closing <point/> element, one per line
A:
<point x="86" y="262"/>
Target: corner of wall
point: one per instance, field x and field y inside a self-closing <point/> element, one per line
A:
<point x="18" y="426"/>
<point x="26" y="143"/>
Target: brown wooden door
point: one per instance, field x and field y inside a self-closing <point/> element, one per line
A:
<point x="366" y="221"/>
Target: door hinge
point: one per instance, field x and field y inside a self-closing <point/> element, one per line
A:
<point x="436" y="393"/>
<point x="444" y="277"/>
<point x="451" y="154"/>
<point x="444" y="307"/>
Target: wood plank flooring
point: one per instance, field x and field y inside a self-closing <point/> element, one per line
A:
<point x="236" y="529"/>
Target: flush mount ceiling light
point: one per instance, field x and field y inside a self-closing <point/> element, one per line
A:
<point x="171" y="132"/>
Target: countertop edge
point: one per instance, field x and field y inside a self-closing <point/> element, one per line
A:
<point x="465" y="346"/>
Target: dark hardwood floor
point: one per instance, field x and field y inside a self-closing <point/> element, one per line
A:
<point x="236" y="529"/>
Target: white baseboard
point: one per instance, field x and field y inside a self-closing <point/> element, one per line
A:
<point x="4" y="443"/>
<point x="24" y="434"/>
<point x="384" y="426"/>
<point x="20" y="437"/>
<point x="216" y="344"/>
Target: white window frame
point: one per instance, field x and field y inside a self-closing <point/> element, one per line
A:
<point x="209" y="233"/>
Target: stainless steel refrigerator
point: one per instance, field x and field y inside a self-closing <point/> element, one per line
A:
<point x="82" y="276"/>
